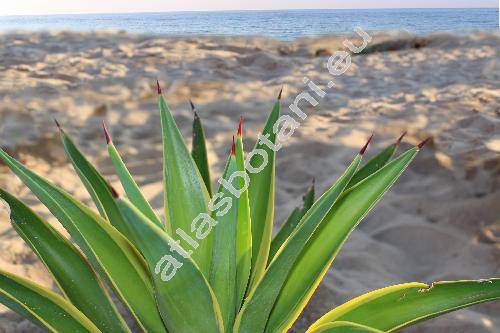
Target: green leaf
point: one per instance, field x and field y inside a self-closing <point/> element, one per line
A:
<point x="393" y="308"/>
<point x="186" y="195"/>
<point x="199" y="151"/>
<point x="261" y="198"/>
<point x="223" y="266"/>
<point x="244" y="227"/>
<point x="328" y="239"/>
<point x="285" y="231"/>
<point x="41" y="305"/>
<point x="375" y="163"/>
<point x="70" y="270"/>
<point x="109" y="252"/>
<point x="344" y="327"/>
<point x="98" y="188"/>
<point x="260" y="302"/>
<point x="291" y="222"/>
<point x="308" y="199"/>
<point x="129" y="185"/>
<point x="184" y="297"/>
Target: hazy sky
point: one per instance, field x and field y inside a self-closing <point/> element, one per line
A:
<point x="15" y="7"/>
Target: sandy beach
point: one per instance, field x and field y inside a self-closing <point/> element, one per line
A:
<point x="440" y="221"/>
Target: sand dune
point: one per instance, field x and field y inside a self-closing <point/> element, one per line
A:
<point x="440" y="221"/>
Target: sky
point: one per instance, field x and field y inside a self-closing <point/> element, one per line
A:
<point x="37" y="7"/>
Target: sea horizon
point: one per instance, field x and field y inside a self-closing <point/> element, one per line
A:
<point x="283" y="24"/>
<point x="250" y="10"/>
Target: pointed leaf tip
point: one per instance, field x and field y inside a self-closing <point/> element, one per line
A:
<point x="279" y="95"/>
<point x="233" y="148"/>
<point x="362" y="151"/>
<point x="114" y="191"/>
<point x="106" y="133"/>
<point x="240" y="126"/>
<point x="158" y="87"/>
<point x="401" y="138"/>
<point x="57" y="123"/>
<point x="421" y="144"/>
<point x="192" y="106"/>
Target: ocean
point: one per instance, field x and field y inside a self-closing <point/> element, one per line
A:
<point x="280" y="24"/>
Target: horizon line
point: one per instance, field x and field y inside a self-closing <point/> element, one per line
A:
<point x="236" y="10"/>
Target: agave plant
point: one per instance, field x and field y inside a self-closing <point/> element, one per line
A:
<point x="212" y="265"/>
